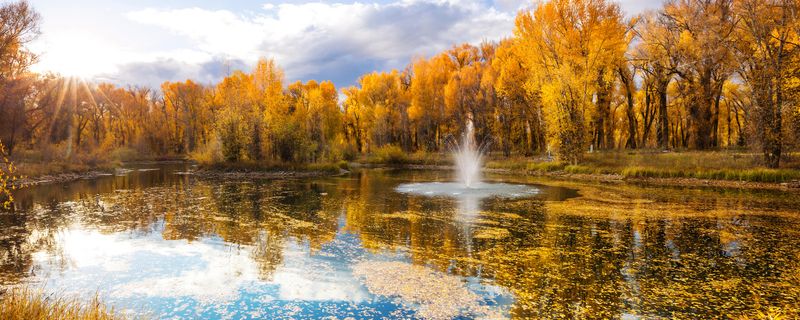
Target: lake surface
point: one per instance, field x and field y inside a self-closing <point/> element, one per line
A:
<point x="158" y="243"/>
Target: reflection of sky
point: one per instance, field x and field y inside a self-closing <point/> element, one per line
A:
<point x="211" y="279"/>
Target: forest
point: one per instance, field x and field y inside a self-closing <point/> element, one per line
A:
<point x="576" y="76"/>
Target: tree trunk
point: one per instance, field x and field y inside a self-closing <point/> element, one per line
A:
<point x="662" y="134"/>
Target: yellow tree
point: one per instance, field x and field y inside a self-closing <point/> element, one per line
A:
<point x="272" y="114"/>
<point x="518" y="111"/>
<point x="466" y="96"/>
<point x="427" y="106"/>
<point x="186" y="102"/>
<point x="705" y="30"/>
<point x="656" y="55"/>
<point x="326" y="119"/>
<point x="316" y="112"/>
<point x="235" y="96"/>
<point x="19" y="25"/>
<point x="569" y="46"/>
<point x="768" y="30"/>
<point x="377" y="111"/>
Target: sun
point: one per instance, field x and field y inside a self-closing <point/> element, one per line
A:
<point x="75" y="55"/>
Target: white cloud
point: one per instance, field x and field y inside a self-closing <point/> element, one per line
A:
<point x="320" y="40"/>
<point x="333" y="40"/>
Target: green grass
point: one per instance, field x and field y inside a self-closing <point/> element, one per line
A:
<point x="27" y="304"/>
<point x="709" y="165"/>
<point x="750" y="175"/>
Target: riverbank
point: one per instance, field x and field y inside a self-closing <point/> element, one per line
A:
<point x="67" y="172"/>
<point x="61" y="173"/>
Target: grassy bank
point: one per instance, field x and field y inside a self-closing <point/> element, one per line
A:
<point x="27" y="304"/>
<point x="52" y="160"/>
<point x="705" y="165"/>
<point x="271" y="167"/>
<point x="393" y="155"/>
<point x="712" y="165"/>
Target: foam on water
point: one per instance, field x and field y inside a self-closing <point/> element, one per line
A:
<point x="459" y="190"/>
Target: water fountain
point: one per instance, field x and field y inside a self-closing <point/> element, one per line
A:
<point x="469" y="188"/>
<point x="468" y="158"/>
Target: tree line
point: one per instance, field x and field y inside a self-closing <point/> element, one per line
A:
<point x="576" y="75"/>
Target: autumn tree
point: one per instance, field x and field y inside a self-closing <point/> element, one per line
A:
<point x="427" y="109"/>
<point x="19" y="25"/>
<point x="571" y="46"/>
<point x="768" y="30"/>
<point x="518" y="112"/>
<point x="377" y="110"/>
<point x="185" y="102"/>
<point x="705" y="29"/>
<point x="655" y="57"/>
<point x="241" y="120"/>
<point x="316" y="119"/>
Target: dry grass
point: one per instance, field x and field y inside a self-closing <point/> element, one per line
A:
<point x="51" y="160"/>
<point x="709" y="165"/>
<point x="27" y="304"/>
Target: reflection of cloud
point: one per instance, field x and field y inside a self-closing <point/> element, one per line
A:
<point x="218" y="279"/>
<point x="202" y="270"/>
<point x="304" y="278"/>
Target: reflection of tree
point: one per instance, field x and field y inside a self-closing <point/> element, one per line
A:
<point x="268" y="253"/>
<point x="619" y="257"/>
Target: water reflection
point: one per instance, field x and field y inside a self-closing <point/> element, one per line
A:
<point x="177" y="246"/>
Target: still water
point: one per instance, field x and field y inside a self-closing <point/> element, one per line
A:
<point x="156" y="243"/>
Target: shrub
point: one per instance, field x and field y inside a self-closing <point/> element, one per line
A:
<point x="124" y="154"/>
<point x="340" y="150"/>
<point x="329" y="167"/>
<point x="389" y="154"/>
<point x="22" y="303"/>
<point x="210" y="153"/>
<point x="6" y="178"/>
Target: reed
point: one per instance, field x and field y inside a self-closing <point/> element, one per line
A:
<point x="30" y="304"/>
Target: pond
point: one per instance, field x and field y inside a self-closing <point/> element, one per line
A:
<point x="154" y="242"/>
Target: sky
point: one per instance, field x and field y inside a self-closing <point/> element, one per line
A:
<point x="147" y="42"/>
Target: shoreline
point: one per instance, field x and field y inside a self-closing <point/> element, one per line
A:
<point x="65" y="177"/>
<point x="227" y="173"/>
<point x="234" y="173"/>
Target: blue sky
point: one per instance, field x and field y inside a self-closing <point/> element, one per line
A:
<point x="147" y="42"/>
